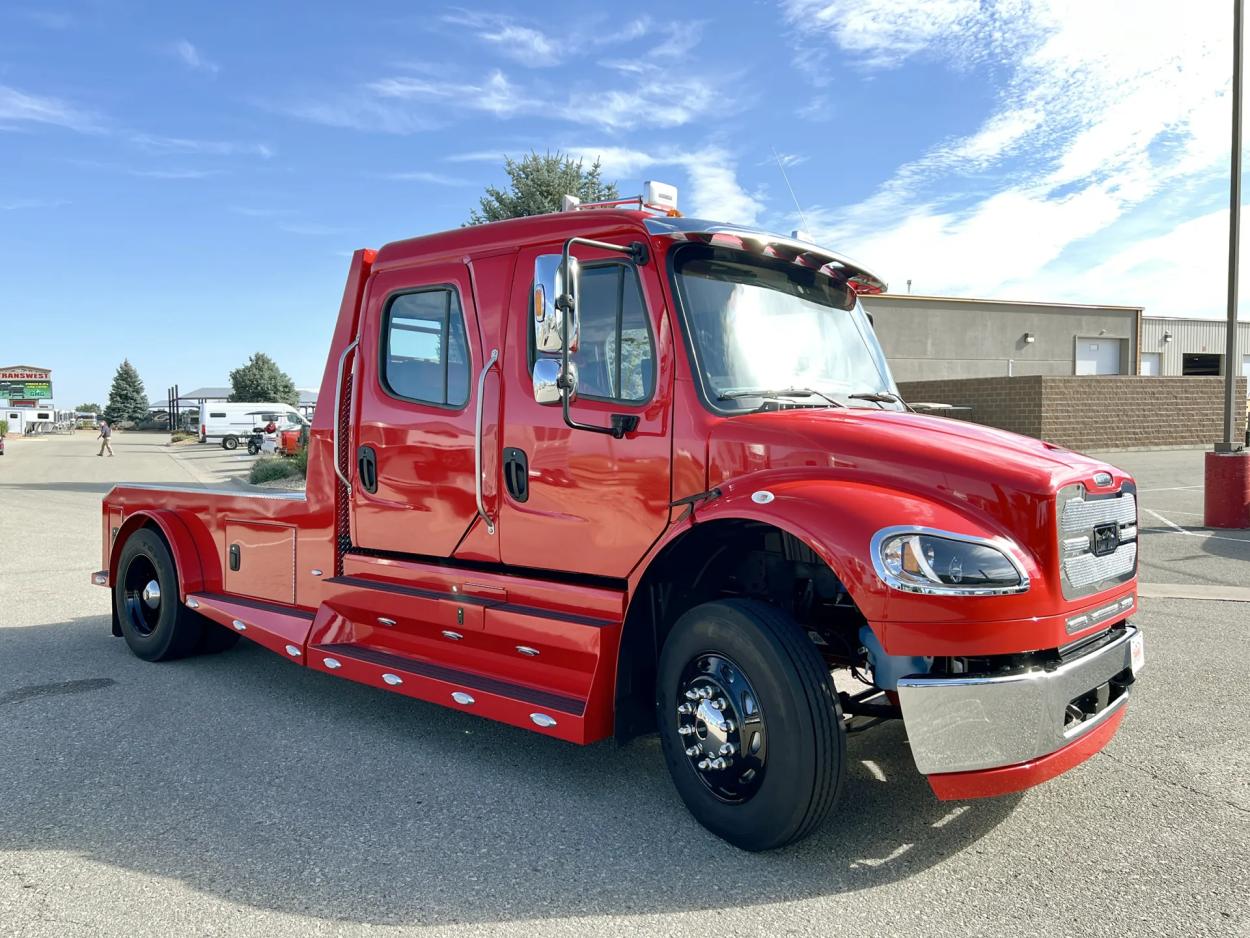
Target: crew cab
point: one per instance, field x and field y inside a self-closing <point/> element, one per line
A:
<point x="612" y="471"/>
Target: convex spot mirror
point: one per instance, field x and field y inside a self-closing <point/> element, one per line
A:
<point x="555" y="291"/>
<point x="547" y="381"/>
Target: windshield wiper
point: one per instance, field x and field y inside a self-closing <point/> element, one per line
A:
<point x="879" y="397"/>
<point x="774" y="395"/>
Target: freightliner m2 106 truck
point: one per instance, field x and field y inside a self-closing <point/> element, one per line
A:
<point x="612" y="471"/>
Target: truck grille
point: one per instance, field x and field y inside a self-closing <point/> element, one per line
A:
<point x="1097" y="539"/>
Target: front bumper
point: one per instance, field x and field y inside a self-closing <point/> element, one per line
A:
<point x="969" y="723"/>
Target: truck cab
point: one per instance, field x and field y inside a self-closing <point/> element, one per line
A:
<point x="612" y="471"/>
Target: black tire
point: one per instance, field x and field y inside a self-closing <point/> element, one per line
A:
<point x="760" y="653"/>
<point x="229" y="442"/>
<point x="155" y="632"/>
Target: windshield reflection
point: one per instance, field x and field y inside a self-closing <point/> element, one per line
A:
<point x="770" y="326"/>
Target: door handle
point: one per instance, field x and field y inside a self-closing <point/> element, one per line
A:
<point x="516" y="473"/>
<point x="477" y="442"/>
<point x="367" y="468"/>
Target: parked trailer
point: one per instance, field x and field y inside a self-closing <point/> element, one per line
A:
<point x="230" y="424"/>
<point x="612" y="471"/>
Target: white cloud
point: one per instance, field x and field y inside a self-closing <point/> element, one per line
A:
<point x="175" y="173"/>
<point x="18" y="108"/>
<point x="1106" y="108"/>
<point x="182" y="145"/>
<point x="420" y="175"/>
<point x="20" y="204"/>
<point x="192" y="58"/>
<point x="714" y="192"/>
<point x="411" y="103"/>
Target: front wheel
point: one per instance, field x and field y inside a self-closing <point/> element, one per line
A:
<point x="252" y="448"/>
<point x="229" y="442"/>
<point x="750" y="724"/>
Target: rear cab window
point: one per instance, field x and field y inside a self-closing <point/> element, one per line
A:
<point x="424" y="348"/>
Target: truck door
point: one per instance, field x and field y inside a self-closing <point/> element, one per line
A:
<point x="413" y="449"/>
<point x="574" y="500"/>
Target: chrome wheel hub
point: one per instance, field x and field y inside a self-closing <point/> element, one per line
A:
<point x="152" y="594"/>
<point x="721" y="727"/>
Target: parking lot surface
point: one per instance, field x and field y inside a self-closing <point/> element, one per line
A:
<point x="241" y="795"/>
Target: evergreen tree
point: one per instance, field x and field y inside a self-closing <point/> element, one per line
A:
<point x="262" y="380"/>
<point x="127" y="399"/>
<point x="88" y="408"/>
<point x="537" y="184"/>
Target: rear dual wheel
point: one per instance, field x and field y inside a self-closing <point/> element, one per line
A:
<point x="146" y="598"/>
<point x="749" y="723"/>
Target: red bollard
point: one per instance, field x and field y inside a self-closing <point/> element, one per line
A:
<point x="1226" y="501"/>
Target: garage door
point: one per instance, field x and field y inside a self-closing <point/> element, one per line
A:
<point x="1245" y="366"/>
<point x="1151" y="363"/>
<point x="1097" y="356"/>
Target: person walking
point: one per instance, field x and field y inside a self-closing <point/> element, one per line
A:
<point x="105" y="432"/>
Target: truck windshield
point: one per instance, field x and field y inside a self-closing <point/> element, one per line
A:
<point x="778" y="329"/>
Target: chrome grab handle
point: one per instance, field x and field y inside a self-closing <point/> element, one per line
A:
<point x="338" y="403"/>
<point x="477" y="442"/>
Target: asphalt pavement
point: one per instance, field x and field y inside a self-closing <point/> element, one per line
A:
<point x="242" y="795"/>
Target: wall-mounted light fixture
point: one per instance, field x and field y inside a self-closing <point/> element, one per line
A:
<point x="1029" y="338"/>
<point x="1168" y="337"/>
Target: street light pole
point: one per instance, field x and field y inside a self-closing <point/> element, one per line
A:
<point x="1231" y="444"/>
<point x="1226" y="475"/>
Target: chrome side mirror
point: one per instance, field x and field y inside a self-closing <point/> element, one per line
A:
<point x="555" y="291"/>
<point x="547" y="381"/>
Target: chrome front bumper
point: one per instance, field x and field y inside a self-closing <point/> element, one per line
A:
<point x="961" y="724"/>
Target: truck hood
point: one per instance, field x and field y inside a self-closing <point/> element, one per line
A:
<point x="939" y="457"/>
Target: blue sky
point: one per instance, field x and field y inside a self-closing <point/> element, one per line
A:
<point x="182" y="183"/>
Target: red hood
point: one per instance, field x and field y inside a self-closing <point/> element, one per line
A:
<point x="950" y="460"/>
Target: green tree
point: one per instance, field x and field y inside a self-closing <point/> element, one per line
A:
<point x="88" y="408"/>
<point x="127" y="399"/>
<point x="537" y="184"/>
<point x="262" y="380"/>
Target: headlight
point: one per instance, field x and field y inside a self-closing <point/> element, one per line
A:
<point x="920" y="560"/>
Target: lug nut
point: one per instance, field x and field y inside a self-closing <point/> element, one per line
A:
<point x="685" y="730"/>
<point x="727" y="749"/>
<point x="718" y="763"/>
<point x="728" y="726"/>
<point x="686" y="708"/>
<point x="692" y="694"/>
<point x="693" y="751"/>
<point x="704" y="765"/>
<point x="705" y="692"/>
<point x="720" y="703"/>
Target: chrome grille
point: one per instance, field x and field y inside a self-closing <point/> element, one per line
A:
<point x="1083" y="573"/>
<point x="1080" y="516"/>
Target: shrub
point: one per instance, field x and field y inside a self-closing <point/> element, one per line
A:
<point x="4" y="431"/>
<point x="300" y="462"/>
<point x="268" y="468"/>
<point x="179" y="435"/>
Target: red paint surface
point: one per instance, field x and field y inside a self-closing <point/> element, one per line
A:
<point x="989" y="783"/>
<point x="1226" y="492"/>
<point x="599" y="508"/>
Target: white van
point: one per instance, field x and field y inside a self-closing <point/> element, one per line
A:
<point x="230" y="423"/>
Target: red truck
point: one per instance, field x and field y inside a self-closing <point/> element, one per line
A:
<point x="612" y="471"/>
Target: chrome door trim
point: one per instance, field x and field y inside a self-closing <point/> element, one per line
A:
<point x="477" y="441"/>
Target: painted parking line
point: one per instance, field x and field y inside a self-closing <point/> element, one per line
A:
<point x="1174" y="528"/>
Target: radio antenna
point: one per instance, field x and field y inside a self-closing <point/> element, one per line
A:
<point x="781" y="166"/>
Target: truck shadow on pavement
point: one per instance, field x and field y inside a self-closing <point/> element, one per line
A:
<point x="252" y="780"/>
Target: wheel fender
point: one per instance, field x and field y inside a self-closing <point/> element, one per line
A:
<point x="190" y="556"/>
<point x="837" y="520"/>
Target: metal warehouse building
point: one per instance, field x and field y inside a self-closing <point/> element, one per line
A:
<point x="942" y="337"/>
<point x="1190" y="347"/>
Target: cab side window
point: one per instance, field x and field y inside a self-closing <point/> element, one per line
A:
<point x="615" y="359"/>
<point x="424" y="350"/>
